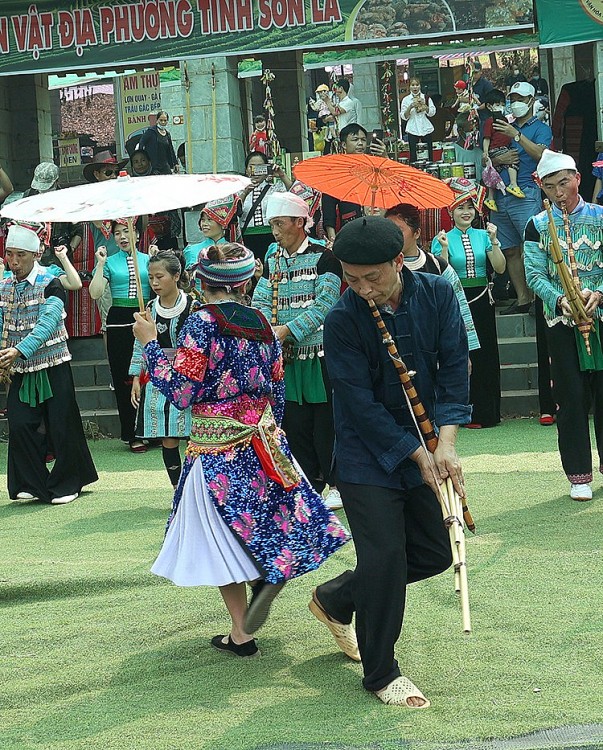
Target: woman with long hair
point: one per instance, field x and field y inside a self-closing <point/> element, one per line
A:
<point x="474" y="253"/>
<point x="117" y="272"/>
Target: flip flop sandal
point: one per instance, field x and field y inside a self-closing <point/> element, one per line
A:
<point x="491" y="204"/>
<point x="345" y="635"/>
<point x="517" y="192"/>
<point x="399" y="691"/>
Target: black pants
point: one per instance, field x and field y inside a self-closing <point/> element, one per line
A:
<point x="575" y="392"/>
<point x="120" y="345"/>
<point x="400" y="537"/>
<point x="412" y="144"/>
<point x="32" y="428"/>
<point x="546" y="401"/>
<point x="311" y="435"/>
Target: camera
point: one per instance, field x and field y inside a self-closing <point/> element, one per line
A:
<point x="262" y="170"/>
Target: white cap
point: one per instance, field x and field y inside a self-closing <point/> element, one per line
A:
<point x="286" y="204"/>
<point x="522" y="88"/>
<point x="20" y="238"/>
<point x="551" y="162"/>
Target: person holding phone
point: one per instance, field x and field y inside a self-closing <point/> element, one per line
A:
<point x="255" y="228"/>
<point x="496" y="144"/>
<point x="415" y="110"/>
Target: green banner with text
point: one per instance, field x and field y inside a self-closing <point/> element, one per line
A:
<point x="79" y="35"/>
<point x="569" y="21"/>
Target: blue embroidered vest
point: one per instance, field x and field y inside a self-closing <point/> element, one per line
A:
<point x="23" y="316"/>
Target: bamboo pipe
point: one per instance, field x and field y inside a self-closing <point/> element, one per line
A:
<point x="453" y="510"/>
<point x="132" y="235"/>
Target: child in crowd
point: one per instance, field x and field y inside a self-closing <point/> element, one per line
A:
<point x="258" y="140"/>
<point x="155" y="416"/>
<point x="497" y="144"/>
<point x="319" y="105"/>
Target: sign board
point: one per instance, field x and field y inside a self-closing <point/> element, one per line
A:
<point x="53" y="36"/>
<point x="69" y="152"/>
<point x="139" y="98"/>
<point x="580" y="21"/>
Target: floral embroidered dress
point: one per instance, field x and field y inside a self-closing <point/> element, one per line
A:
<point x="242" y="508"/>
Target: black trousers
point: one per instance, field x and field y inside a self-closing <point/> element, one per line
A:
<point x="575" y="392"/>
<point x="413" y="140"/>
<point x="311" y="436"/>
<point x="32" y="429"/>
<point x="546" y="401"/>
<point x="120" y="345"/>
<point x="400" y="537"/>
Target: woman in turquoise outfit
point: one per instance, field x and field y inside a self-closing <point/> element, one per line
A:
<point x="219" y="223"/>
<point x="243" y="512"/>
<point x="471" y="252"/>
<point x="117" y="271"/>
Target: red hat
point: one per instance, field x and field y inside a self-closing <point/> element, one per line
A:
<point x="460" y="85"/>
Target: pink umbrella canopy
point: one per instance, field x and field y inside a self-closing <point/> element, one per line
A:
<point x="124" y="197"/>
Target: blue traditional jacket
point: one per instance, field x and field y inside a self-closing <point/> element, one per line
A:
<point x="375" y="433"/>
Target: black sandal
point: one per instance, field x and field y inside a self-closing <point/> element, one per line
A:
<point x="262" y="596"/>
<point x="249" y="648"/>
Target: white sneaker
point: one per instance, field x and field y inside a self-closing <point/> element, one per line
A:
<point x="25" y="496"/>
<point x="333" y="499"/>
<point x="581" y="492"/>
<point x="65" y="499"/>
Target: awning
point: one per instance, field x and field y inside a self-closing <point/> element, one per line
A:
<point x="449" y="50"/>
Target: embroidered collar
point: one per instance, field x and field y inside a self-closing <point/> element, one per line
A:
<point x="242" y="322"/>
<point x="175" y="310"/>
<point x="416" y="262"/>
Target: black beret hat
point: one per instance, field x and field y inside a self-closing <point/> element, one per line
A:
<point x="368" y="241"/>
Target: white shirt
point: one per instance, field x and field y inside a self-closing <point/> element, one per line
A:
<point x="353" y="112"/>
<point x="418" y="122"/>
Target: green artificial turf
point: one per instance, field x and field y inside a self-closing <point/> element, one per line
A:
<point x="96" y="653"/>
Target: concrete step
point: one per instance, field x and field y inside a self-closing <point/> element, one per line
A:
<point x="104" y="420"/>
<point x="515" y="351"/>
<point x="519" y="377"/>
<point x="520" y="403"/>
<point x="91" y="372"/>
<point x="95" y="397"/>
<point x="515" y="326"/>
<point x="89" y="348"/>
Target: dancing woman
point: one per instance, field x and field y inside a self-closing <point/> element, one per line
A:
<point x="242" y="511"/>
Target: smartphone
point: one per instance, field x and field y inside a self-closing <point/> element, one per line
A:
<point x="378" y="134"/>
<point x="262" y="170"/>
<point x="499" y="117"/>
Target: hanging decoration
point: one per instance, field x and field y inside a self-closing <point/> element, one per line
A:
<point x="472" y="136"/>
<point x="387" y="99"/>
<point x="273" y="147"/>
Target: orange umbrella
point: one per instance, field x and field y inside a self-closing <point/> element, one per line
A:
<point x="373" y="181"/>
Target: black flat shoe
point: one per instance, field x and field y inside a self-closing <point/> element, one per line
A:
<point x="249" y="648"/>
<point x="262" y="596"/>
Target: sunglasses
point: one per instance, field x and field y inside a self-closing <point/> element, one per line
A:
<point x="109" y="172"/>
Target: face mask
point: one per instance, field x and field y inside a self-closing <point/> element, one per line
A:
<point x="519" y="109"/>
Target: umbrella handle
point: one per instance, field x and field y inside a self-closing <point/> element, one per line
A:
<point x="141" y="306"/>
